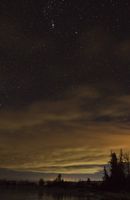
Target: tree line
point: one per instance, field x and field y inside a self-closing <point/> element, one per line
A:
<point x="117" y="172"/>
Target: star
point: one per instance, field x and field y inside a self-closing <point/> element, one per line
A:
<point x="52" y="24"/>
<point x="76" y="32"/>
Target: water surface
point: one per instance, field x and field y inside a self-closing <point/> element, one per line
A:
<point x="20" y="195"/>
<point x="16" y="195"/>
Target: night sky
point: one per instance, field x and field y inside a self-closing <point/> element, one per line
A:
<point x="64" y="84"/>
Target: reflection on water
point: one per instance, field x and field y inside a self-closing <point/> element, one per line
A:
<point x="15" y="195"/>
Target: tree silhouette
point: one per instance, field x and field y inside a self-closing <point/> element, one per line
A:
<point x="88" y="181"/>
<point x="114" y="170"/>
<point x="127" y="161"/>
<point x="117" y="171"/>
<point x="59" y="178"/>
<point x="106" y="176"/>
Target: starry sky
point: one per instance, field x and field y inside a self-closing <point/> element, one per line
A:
<point x="64" y="85"/>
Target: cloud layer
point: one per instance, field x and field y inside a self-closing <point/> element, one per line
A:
<point x="73" y="135"/>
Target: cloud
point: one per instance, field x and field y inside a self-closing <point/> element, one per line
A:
<point x="71" y="135"/>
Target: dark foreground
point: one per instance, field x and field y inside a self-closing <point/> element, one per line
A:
<point x="33" y="195"/>
<point x="61" y="190"/>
